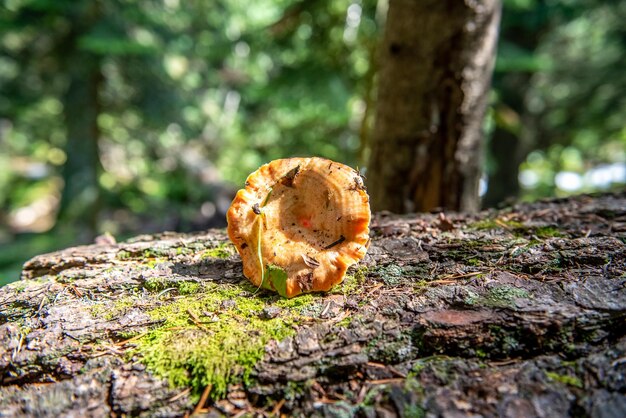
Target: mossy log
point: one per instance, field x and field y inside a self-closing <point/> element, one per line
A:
<point x="519" y="313"/>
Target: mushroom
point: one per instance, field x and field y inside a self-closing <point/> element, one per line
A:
<point x="299" y="223"/>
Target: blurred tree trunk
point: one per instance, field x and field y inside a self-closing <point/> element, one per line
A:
<point x="81" y="191"/>
<point x="512" y="139"/>
<point x="503" y="178"/>
<point x="435" y="72"/>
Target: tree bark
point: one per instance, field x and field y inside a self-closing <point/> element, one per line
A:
<point x="436" y="65"/>
<point x="514" y="313"/>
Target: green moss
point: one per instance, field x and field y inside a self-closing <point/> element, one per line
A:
<point x="417" y="368"/>
<point x="471" y="298"/>
<point x="294" y="390"/>
<point x="413" y="385"/>
<point x="298" y="304"/>
<point x="155" y="253"/>
<point x="224" y="250"/>
<point x="183" y="250"/>
<point x="391" y="275"/>
<point x="503" y="296"/>
<point x="38" y="283"/>
<point x="352" y="283"/>
<point x="110" y="311"/>
<point x="159" y="254"/>
<point x="398" y="275"/>
<point x="565" y="379"/>
<point x="18" y="286"/>
<point x="66" y="279"/>
<point x="435" y="361"/>
<point x="494" y="223"/>
<point x="390" y="350"/>
<point x="340" y="409"/>
<point x="382" y="392"/>
<point x="524" y="247"/>
<point x="97" y="310"/>
<point x="119" y="307"/>
<point x="548" y="232"/>
<point x="123" y="255"/>
<point x="414" y="411"/>
<point x="156" y="284"/>
<point x="191" y="349"/>
<point x="125" y="335"/>
<point x="188" y="287"/>
<point x="421" y="285"/>
<point x="510" y="344"/>
<point x="473" y="261"/>
<point x="514" y="224"/>
<point x="345" y="322"/>
<point x="372" y="394"/>
<point x="184" y="287"/>
<point x="313" y="309"/>
<point x="441" y="367"/>
<point x="480" y="353"/>
<point x="349" y="286"/>
<point x="507" y="293"/>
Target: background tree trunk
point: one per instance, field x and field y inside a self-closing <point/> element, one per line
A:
<point x="512" y="139"/>
<point x="436" y="64"/>
<point x="81" y="191"/>
<point x="507" y="150"/>
<point x="518" y="313"/>
<point x="80" y="200"/>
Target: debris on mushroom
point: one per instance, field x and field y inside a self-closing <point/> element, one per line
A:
<point x="299" y="223"/>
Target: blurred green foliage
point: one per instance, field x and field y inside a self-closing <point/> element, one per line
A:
<point x="559" y="97"/>
<point x="195" y="95"/>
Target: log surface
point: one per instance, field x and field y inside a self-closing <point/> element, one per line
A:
<point x="517" y="313"/>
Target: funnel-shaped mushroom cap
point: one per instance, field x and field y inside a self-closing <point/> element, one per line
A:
<point x="299" y="224"/>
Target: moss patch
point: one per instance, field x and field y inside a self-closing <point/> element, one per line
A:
<point x="111" y="311"/>
<point x="488" y="224"/>
<point x="390" y="352"/>
<point x="221" y="251"/>
<point x="393" y="275"/>
<point x="123" y="255"/>
<point x="215" y="337"/>
<point x="352" y="283"/>
<point x="548" y="232"/>
<point x="184" y="287"/>
<point x="565" y="379"/>
<point x="414" y="411"/>
<point x="38" y="282"/>
<point x="502" y="296"/>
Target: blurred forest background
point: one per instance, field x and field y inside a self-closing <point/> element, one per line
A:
<point x="189" y="97"/>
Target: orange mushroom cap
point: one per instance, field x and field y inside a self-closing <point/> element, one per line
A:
<point x="299" y="224"/>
